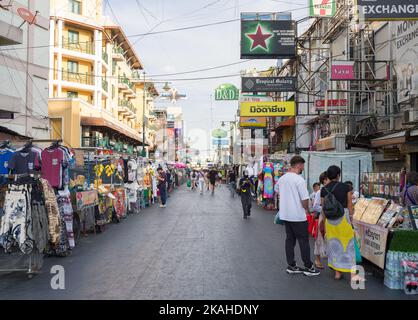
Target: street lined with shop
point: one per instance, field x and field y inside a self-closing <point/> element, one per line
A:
<point x="199" y="247"/>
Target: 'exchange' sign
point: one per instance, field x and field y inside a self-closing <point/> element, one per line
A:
<point x="268" y="109"/>
<point x="388" y="10"/>
<point x="268" y="84"/>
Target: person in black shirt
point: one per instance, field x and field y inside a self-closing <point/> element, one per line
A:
<point x="213" y="175"/>
<point x="339" y="232"/>
<point x="162" y="186"/>
<point x="245" y="184"/>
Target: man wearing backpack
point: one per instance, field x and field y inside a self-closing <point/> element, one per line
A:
<point x="294" y="206"/>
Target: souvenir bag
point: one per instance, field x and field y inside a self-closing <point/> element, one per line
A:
<point x="277" y="219"/>
<point x="311" y="221"/>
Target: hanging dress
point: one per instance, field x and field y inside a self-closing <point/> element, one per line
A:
<point x="268" y="170"/>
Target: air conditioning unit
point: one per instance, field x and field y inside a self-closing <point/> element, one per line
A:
<point x="410" y="116"/>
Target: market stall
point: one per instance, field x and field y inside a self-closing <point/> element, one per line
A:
<point x="387" y="236"/>
<point x="272" y="168"/>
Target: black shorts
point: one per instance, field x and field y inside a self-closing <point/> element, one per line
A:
<point x="212" y="182"/>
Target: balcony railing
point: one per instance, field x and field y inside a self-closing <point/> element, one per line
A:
<point x="83" y="78"/>
<point x="105" y="57"/>
<point x="105" y="85"/>
<point x="83" y="47"/>
<point x="127" y="82"/>
<point x="128" y="104"/>
<point x="118" y="50"/>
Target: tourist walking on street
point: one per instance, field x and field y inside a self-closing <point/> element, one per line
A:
<point x="320" y="243"/>
<point x="245" y="184"/>
<point x="337" y="206"/>
<point x="194" y="179"/>
<point x="162" y="186"/>
<point x="201" y="181"/>
<point x="232" y="182"/>
<point x="294" y="207"/>
<point x="206" y="173"/>
<point x="213" y="175"/>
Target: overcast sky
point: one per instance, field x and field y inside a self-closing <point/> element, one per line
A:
<point x="195" y="49"/>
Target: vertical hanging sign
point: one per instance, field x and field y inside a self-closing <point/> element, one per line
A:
<point x="322" y="8"/>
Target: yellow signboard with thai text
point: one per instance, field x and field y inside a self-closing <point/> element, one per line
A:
<point x="268" y="109"/>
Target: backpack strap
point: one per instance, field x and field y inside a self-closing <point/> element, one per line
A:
<point x="333" y="188"/>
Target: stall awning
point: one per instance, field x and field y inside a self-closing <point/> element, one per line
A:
<point x="391" y="139"/>
<point x="291" y="122"/>
<point x="100" y="122"/>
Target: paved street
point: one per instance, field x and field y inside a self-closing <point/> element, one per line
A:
<point x="198" y="247"/>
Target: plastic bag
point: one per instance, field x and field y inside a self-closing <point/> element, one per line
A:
<point x="277" y="219"/>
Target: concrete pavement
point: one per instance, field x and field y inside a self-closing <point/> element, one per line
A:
<point x="199" y="247"/>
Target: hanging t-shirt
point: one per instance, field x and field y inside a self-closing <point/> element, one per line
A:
<point x="52" y="161"/>
<point x="23" y="162"/>
<point x="5" y="156"/>
<point x="132" y="169"/>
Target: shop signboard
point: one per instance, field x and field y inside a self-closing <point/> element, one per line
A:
<point x="332" y="104"/>
<point x="170" y="124"/>
<point x="260" y="122"/>
<point x="386" y="10"/>
<point x="268" y="84"/>
<point x="405" y="51"/>
<point x="220" y="142"/>
<point x="85" y="199"/>
<point x="219" y="133"/>
<point x="255" y="98"/>
<point x="267" y="39"/>
<point x="322" y="8"/>
<point x="170" y="132"/>
<point x="79" y="158"/>
<point x="372" y="240"/>
<point x="342" y="70"/>
<point x="268" y="109"/>
<point x="226" y="92"/>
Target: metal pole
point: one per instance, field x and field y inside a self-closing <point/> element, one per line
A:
<point x="143" y="121"/>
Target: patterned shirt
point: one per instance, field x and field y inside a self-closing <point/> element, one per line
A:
<point x="413" y="195"/>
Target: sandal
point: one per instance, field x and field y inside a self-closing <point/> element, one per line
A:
<point x="319" y="266"/>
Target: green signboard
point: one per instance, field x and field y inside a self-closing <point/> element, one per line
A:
<point x="226" y="91"/>
<point x="271" y="39"/>
<point x="219" y="133"/>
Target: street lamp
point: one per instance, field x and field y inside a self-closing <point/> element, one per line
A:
<point x="143" y="153"/>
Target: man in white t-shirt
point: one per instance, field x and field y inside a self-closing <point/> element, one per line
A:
<point x="294" y="206"/>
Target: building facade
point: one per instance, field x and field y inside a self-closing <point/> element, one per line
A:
<point x="24" y="65"/>
<point x="357" y="88"/>
<point x="96" y="91"/>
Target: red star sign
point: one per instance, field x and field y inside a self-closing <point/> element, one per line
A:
<point x="259" y="39"/>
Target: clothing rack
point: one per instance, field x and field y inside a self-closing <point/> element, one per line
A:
<point x="29" y="269"/>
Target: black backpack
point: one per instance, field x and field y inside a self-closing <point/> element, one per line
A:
<point x="333" y="209"/>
